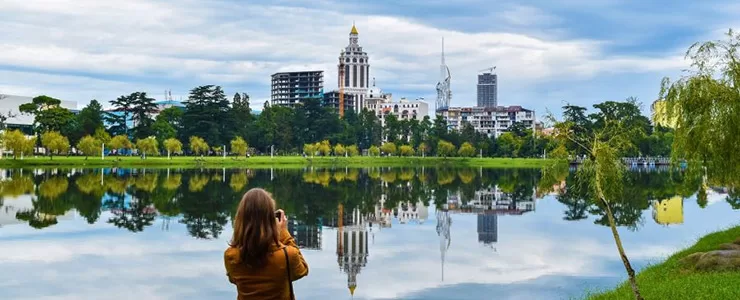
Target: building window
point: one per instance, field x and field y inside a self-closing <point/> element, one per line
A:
<point x="354" y="76"/>
<point x="354" y="60"/>
<point x="346" y="75"/>
<point x="362" y="76"/>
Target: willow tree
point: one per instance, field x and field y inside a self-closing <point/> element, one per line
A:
<point x="603" y="170"/>
<point x="704" y="106"/>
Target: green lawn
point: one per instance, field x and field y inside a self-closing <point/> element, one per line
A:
<point x="668" y="280"/>
<point x="278" y="161"/>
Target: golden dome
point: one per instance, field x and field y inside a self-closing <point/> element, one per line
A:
<point x="352" y="290"/>
<point x="354" y="30"/>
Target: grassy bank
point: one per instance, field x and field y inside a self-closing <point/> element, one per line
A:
<point x="267" y="162"/>
<point x="669" y="280"/>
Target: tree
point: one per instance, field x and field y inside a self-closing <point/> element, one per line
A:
<point x="148" y="146"/>
<point x="54" y="142"/>
<point x="603" y="170"/>
<point x="309" y="149"/>
<point x="142" y="108"/>
<point x="172" y="145"/>
<point x="163" y="130"/>
<point x="89" y="146"/>
<point x="198" y="145"/>
<point x="406" y="150"/>
<point x="508" y="145"/>
<point x="101" y="135"/>
<point x="466" y="149"/>
<point x="374" y="150"/>
<point x="15" y="141"/>
<point x="706" y="108"/>
<point x="445" y="148"/>
<point x="352" y="150"/>
<point x="339" y="150"/>
<point x="239" y="146"/>
<point x="90" y="118"/>
<point x="324" y="148"/>
<point x="388" y="148"/>
<point x="423" y="149"/>
<point x="207" y="115"/>
<point x="120" y="142"/>
<point x="49" y="115"/>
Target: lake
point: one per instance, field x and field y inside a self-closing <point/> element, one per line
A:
<point x="379" y="233"/>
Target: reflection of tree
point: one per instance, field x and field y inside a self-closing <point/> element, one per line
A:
<point x="134" y="215"/>
<point x="172" y="182"/>
<point x="206" y="210"/>
<point x="16" y="186"/>
<point x="389" y="175"/>
<point x="53" y="187"/>
<point x="146" y="182"/>
<point x="733" y="198"/>
<point x="49" y="204"/>
<point x="197" y="182"/>
<point x="238" y="181"/>
<point x="88" y="201"/>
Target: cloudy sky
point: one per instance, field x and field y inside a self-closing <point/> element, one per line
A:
<point x="577" y="51"/>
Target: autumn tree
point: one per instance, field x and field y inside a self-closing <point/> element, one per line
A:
<point x="309" y="149"/>
<point x="89" y="146"/>
<point x="445" y="148"/>
<point x="15" y="141"/>
<point x="239" y="146"/>
<point x="352" y="150"/>
<point x="388" y="148"/>
<point x="172" y="145"/>
<point x="406" y="150"/>
<point x="339" y="150"/>
<point x="198" y="145"/>
<point x="121" y="142"/>
<point x="148" y="146"/>
<point x="466" y="150"/>
<point x="54" y="142"/>
<point x="374" y="150"/>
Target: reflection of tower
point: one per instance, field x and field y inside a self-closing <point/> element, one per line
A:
<point x="443" y="231"/>
<point x="488" y="228"/>
<point x="352" y="249"/>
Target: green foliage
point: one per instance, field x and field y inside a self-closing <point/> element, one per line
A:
<point x="309" y="149"/>
<point x="352" y="150"/>
<point x="706" y="108"/>
<point x="239" y="146"/>
<point x="120" y="142"/>
<point x="89" y="146"/>
<point x="54" y="142"/>
<point x="388" y="148"/>
<point x="466" y="150"/>
<point x="15" y="141"/>
<point x="339" y="150"/>
<point x="324" y="148"/>
<point x="90" y="118"/>
<point x="198" y="145"/>
<point x="49" y="115"/>
<point x="101" y="135"/>
<point x="423" y="149"/>
<point x="445" y="148"/>
<point x="406" y="150"/>
<point x="207" y="115"/>
<point x="172" y="145"/>
<point x="148" y="146"/>
<point x="374" y="150"/>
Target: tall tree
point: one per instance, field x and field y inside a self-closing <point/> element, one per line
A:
<point x="90" y="118"/>
<point x="142" y="110"/>
<point x="207" y="115"/>
<point x="121" y="115"/>
<point x="49" y="115"/>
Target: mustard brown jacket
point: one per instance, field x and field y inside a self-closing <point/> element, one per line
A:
<point x="271" y="281"/>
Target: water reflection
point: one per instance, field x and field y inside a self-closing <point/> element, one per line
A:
<point x="356" y="205"/>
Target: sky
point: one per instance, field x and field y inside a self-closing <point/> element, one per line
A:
<point x="547" y="53"/>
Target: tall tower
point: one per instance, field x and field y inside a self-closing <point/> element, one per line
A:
<point x="444" y="94"/>
<point x="487" y="89"/>
<point x="356" y="71"/>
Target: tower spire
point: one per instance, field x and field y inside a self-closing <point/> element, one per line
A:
<point x="443" y="50"/>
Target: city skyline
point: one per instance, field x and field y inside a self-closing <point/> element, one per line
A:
<point x="545" y="54"/>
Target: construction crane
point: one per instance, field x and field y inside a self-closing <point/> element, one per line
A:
<point x="490" y="70"/>
<point x="341" y="88"/>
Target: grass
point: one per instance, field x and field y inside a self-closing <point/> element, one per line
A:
<point x="267" y="162"/>
<point x="669" y="280"/>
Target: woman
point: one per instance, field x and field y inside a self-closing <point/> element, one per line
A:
<point x="263" y="259"/>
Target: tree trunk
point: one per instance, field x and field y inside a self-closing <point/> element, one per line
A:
<point x="618" y="242"/>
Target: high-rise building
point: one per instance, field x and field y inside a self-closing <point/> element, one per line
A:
<point x="293" y="88"/>
<point x="331" y="99"/>
<point x="487" y="90"/>
<point x="356" y="65"/>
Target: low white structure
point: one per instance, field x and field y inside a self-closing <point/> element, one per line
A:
<point x="382" y="105"/>
<point x="492" y="121"/>
<point x="10" y="104"/>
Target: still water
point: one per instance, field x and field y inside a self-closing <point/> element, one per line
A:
<point x="383" y="233"/>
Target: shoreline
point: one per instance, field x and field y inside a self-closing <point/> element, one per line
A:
<point x="278" y="161"/>
<point x="669" y="280"/>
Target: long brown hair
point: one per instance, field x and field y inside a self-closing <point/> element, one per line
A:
<point x="255" y="227"/>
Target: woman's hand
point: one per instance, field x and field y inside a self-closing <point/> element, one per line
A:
<point x="283" y="221"/>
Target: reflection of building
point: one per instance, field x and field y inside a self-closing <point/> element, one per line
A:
<point x="487" y="228"/>
<point x="306" y="236"/>
<point x="352" y="248"/>
<point x="444" y="221"/>
<point x="493" y="201"/>
<point x="668" y="211"/>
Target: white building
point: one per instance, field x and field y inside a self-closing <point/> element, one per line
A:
<point x="382" y="105"/>
<point x="355" y="65"/>
<point x="10" y="104"/>
<point x="492" y="121"/>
